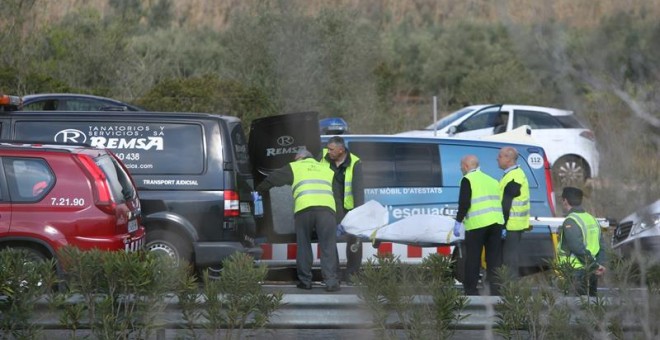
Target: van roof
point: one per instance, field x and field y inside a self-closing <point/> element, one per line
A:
<point x="123" y="114"/>
<point x="443" y="140"/>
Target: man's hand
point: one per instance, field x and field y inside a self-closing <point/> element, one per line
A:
<point x="458" y="226"/>
<point x="264" y="186"/>
<point x="600" y="270"/>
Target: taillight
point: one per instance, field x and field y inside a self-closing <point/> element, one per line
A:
<point x="588" y="135"/>
<point x="548" y="184"/>
<point x="102" y="195"/>
<point x="232" y="204"/>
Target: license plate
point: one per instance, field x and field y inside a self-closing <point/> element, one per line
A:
<point x="132" y="226"/>
<point x="245" y="207"/>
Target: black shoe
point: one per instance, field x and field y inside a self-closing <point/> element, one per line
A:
<point x="334" y="288"/>
<point x="306" y="286"/>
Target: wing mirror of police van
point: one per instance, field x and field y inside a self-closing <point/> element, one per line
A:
<point x="452" y="130"/>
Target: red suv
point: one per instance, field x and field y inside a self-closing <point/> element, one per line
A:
<point x="57" y="195"/>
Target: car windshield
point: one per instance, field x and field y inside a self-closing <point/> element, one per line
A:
<point x="445" y="121"/>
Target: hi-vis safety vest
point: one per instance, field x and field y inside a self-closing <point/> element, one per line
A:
<point x="485" y="204"/>
<point x="590" y="237"/>
<point x="312" y="185"/>
<point x="519" y="214"/>
<point x="349" y="203"/>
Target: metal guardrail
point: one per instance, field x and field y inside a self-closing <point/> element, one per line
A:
<point x="319" y="310"/>
<point x="311" y="311"/>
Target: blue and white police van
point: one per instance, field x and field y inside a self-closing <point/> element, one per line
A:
<point x="408" y="175"/>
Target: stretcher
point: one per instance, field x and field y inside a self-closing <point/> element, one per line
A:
<point x="370" y="222"/>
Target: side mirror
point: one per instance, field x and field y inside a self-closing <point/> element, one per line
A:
<point x="452" y="130"/>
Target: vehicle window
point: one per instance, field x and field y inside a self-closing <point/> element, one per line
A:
<point x="482" y="120"/>
<point x="399" y="164"/>
<point x="240" y="145"/>
<point x="451" y="163"/>
<point x="570" y="122"/>
<point x="47" y="104"/>
<point x="120" y="184"/>
<point x="144" y="147"/>
<point x="450" y="118"/>
<point x="29" y="179"/>
<point x="535" y="119"/>
<point x="81" y="105"/>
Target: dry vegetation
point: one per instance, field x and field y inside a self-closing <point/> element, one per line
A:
<point x="217" y="14"/>
<point x="376" y="63"/>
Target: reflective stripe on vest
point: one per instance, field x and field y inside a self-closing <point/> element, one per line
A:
<point x="349" y="203"/>
<point x="520" y="207"/>
<point x="485" y="204"/>
<point x="312" y="185"/>
<point x="589" y="227"/>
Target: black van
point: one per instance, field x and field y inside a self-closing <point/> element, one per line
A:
<point x="192" y="172"/>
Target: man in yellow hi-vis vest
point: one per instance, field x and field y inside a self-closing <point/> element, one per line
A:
<point x="480" y="213"/>
<point x="514" y="193"/>
<point x="349" y="193"/>
<point x="581" y="243"/>
<point x="314" y="210"/>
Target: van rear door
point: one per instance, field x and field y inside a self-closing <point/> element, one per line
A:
<point x="273" y="143"/>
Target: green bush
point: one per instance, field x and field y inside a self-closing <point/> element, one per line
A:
<point x="234" y="302"/>
<point x="118" y="294"/>
<point x="23" y="281"/>
<point x="389" y="287"/>
<point x="206" y="94"/>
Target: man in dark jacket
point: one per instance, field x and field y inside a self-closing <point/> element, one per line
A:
<point x="349" y="193"/>
<point x="314" y="210"/>
<point x="480" y="212"/>
<point x="581" y="244"/>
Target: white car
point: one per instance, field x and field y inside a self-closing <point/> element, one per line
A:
<point x="569" y="145"/>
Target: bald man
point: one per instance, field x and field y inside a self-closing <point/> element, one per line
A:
<point x="480" y="213"/>
<point x="514" y="193"/>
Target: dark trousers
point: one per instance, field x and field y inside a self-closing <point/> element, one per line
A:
<point x="585" y="283"/>
<point x="489" y="237"/>
<point x="323" y="221"/>
<point x="353" y="249"/>
<point x="512" y="253"/>
<point x="353" y="256"/>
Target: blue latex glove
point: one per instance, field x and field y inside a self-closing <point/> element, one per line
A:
<point x="504" y="233"/>
<point x="458" y="226"/>
<point x="340" y="230"/>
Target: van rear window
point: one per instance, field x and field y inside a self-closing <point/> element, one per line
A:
<point x="398" y="164"/>
<point x="240" y="145"/>
<point x="145" y="148"/>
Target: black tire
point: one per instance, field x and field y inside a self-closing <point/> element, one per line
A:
<point x="33" y="255"/>
<point x="38" y="258"/>
<point x="458" y="259"/>
<point x="170" y="245"/>
<point x="570" y="171"/>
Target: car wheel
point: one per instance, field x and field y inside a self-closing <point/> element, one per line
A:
<point x="35" y="259"/>
<point x="570" y="171"/>
<point x="214" y="272"/>
<point x="33" y="255"/>
<point x="169" y="245"/>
